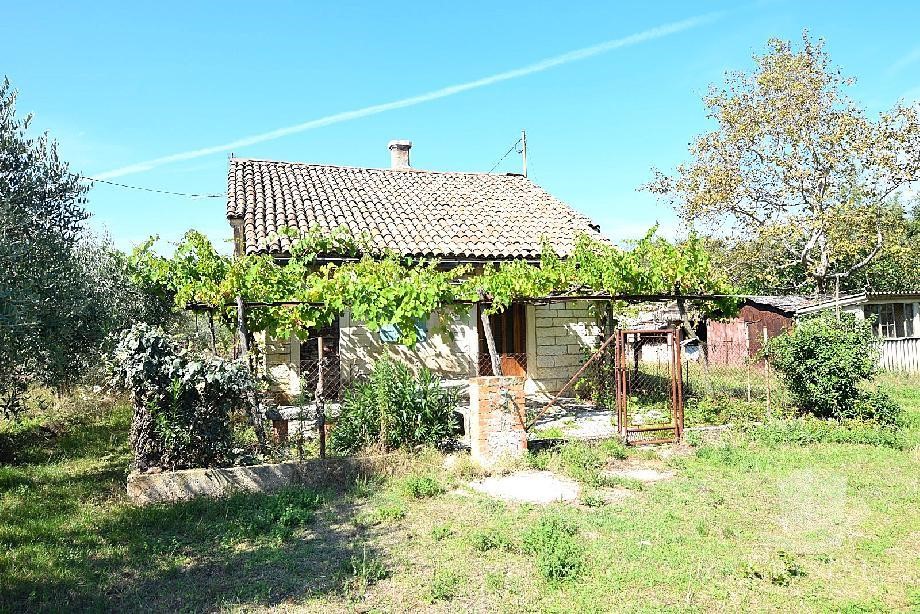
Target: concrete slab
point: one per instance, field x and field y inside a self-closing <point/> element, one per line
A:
<point x="540" y="487"/>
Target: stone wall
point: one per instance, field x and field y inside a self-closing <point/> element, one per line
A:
<point x="282" y="363"/>
<point x="185" y="484"/>
<point x="562" y="333"/>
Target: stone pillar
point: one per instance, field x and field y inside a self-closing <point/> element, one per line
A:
<point x="497" y="418"/>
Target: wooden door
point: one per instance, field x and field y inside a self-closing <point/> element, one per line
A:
<point x="509" y="329"/>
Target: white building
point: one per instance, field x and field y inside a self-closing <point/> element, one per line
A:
<point x="897" y="324"/>
<point x="455" y="217"/>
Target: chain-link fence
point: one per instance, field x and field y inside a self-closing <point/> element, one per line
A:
<point x="723" y="383"/>
<point x="510" y="363"/>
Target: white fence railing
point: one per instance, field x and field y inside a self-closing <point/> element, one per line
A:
<point x="901" y="355"/>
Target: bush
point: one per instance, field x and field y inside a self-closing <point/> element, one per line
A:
<point x="421" y="486"/>
<point x="183" y="403"/>
<point x="395" y="407"/>
<point x="558" y="555"/>
<point x="444" y="586"/>
<point x="825" y="360"/>
<point x="490" y="539"/>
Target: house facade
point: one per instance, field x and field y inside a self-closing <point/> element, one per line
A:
<point x="896" y="323"/>
<point x="458" y="218"/>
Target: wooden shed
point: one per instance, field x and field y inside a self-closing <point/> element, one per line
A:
<point x="737" y="340"/>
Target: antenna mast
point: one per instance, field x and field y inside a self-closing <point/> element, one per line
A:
<point x="524" y="149"/>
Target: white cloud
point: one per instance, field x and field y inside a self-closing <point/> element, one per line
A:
<point x="565" y="58"/>
<point x="904" y="61"/>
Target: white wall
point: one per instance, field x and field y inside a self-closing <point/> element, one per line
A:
<point x="451" y="353"/>
<point x="559" y="335"/>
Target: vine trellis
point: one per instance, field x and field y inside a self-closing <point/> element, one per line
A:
<point x="259" y="293"/>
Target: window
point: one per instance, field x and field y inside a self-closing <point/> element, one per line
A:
<point x="390" y="333"/>
<point x="892" y="320"/>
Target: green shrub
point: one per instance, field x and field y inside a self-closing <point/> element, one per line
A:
<point x="580" y="460"/>
<point x="614" y="448"/>
<point x="444" y="586"/>
<point x="364" y="570"/>
<point x="184" y="404"/>
<point x="395" y="407"/>
<point x="421" y="486"/>
<point x="722" y="410"/>
<point x="551" y="541"/>
<point x="390" y="512"/>
<point x="824" y="361"/>
<point x="490" y="539"/>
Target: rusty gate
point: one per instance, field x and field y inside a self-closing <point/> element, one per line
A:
<point x="649" y="391"/>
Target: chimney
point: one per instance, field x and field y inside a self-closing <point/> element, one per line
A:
<point x="399" y="153"/>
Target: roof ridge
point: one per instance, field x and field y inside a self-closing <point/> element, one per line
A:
<point x="374" y="168"/>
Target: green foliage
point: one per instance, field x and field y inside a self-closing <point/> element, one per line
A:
<point x="364" y="571"/>
<point x="557" y="553"/>
<point x="395" y="407"/>
<point x="796" y="168"/>
<point x="709" y="410"/>
<point x="614" y="448"/>
<point x="382" y="288"/>
<point x="580" y="461"/>
<point x="445" y="585"/>
<point x="807" y="430"/>
<point x="491" y="538"/>
<point x="824" y="361"/>
<point x="183" y="404"/>
<point x="421" y="486"/>
<point x="62" y="292"/>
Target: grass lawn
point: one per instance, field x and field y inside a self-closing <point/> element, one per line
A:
<point x="742" y="526"/>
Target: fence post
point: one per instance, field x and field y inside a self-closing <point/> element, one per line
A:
<point x="766" y="363"/>
<point x="318" y="395"/>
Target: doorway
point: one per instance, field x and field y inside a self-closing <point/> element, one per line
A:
<point x="509" y="329"/>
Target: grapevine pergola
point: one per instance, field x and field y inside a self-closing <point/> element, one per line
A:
<point x="260" y="293"/>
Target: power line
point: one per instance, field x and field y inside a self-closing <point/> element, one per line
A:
<point x="143" y="189"/>
<point x="510" y="149"/>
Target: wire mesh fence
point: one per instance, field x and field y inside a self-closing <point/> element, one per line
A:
<point x="723" y="383"/>
<point x="324" y="377"/>
<point x="510" y="364"/>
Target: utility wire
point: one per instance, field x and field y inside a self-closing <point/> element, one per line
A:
<point x="510" y="149"/>
<point x="134" y="187"/>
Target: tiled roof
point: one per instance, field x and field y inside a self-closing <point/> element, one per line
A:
<point x="416" y="213"/>
<point x="788" y="303"/>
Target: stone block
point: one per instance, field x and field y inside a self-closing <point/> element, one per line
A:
<point x="185" y="484"/>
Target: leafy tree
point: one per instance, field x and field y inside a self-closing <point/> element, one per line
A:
<point x="746" y="263"/>
<point x="795" y="168"/>
<point x="41" y="216"/>
<point x="62" y="291"/>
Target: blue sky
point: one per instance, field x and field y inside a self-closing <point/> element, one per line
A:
<point x="119" y="84"/>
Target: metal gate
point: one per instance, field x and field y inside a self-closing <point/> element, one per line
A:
<point x="649" y="391"/>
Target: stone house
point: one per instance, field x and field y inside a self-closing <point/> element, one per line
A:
<point x="456" y="217"/>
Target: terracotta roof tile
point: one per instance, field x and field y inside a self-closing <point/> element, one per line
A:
<point x="416" y="213"/>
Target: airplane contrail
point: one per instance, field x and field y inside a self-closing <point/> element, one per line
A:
<point x="565" y="58"/>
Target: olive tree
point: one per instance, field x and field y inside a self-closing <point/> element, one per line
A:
<point x="796" y="166"/>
